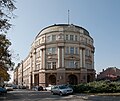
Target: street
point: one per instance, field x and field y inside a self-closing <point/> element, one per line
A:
<point x="26" y="95"/>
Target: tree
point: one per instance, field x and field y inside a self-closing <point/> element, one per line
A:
<point x="5" y="55"/>
<point x="6" y="9"/>
<point x="6" y="14"/>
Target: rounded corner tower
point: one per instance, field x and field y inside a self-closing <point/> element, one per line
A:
<point x="62" y="54"/>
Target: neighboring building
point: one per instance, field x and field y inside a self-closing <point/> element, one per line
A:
<point x="15" y="81"/>
<point x="60" y="54"/>
<point x="111" y="73"/>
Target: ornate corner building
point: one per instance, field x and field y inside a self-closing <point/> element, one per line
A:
<point x="60" y="54"/>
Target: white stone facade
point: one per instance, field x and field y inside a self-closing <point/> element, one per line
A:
<point x="60" y="54"/>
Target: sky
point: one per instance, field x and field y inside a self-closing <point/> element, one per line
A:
<point x="100" y="17"/>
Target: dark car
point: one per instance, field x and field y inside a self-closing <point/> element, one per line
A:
<point x="3" y="90"/>
<point x="61" y="90"/>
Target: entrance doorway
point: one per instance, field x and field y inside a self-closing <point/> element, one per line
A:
<point x="72" y="79"/>
<point x="36" y="81"/>
<point x="89" y="78"/>
<point x="52" y="80"/>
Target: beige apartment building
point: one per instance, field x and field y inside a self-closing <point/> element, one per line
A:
<point x="60" y="54"/>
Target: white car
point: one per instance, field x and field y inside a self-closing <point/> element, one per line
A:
<point x="9" y="87"/>
<point x="61" y="90"/>
<point x="48" y="88"/>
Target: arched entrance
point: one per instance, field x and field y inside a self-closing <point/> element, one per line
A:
<point x="72" y="79"/>
<point x="88" y="78"/>
<point x="52" y="80"/>
<point x="36" y="79"/>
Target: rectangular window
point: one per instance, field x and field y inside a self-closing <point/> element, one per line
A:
<point x="71" y="37"/>
<point x="53" y="37"/>
<point x="87" y="52"/>
<point x="53" y="50"/>
<point x="71" y="64"/>
<point x="85" y="41"/>
<point x="54" y="65"/>
<point x="67" y="50"/>
<point x="48" y="38"/>
<point x="49" y="65"/>
<point x="71" y="50"/>
<point x="67" y="37"/>
<point x="76" y="50"/>
<point x="75" y="64"/>
<point x="76" y="38"/>
<point x="49" y="50"/>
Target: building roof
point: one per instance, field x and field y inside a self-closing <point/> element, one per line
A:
<point x="63" y="25"/>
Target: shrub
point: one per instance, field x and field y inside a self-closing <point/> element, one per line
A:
<point x="98" y="87"/>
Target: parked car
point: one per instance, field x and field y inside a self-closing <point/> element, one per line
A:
<point x="37" y="88"/>
<point x="9" y="87"/>
<point x="61" y="90"/>
<point x="3" y="90"/>
<point x="48" y="88"/>
<point x="15" y="86"/>
<point x="21" y="87"/>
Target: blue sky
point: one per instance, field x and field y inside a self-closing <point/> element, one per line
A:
<point x="100" y="17"/>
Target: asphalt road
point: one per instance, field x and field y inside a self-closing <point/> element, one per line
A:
<point x="26" y="95"/>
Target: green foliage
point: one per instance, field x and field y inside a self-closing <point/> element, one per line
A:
<point x="98" y="87"/>
<point x="6" y="9"/>
<point x="5" y="55"/>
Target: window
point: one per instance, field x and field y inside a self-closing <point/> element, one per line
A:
<point x="76" y="38"/>
<point x="53" y="50"/>
<point x="49" y="65"/>
<point x="71" y="64"/>
<point x="85" y="40"/>
<point x="53" y="37"/>
<point x="66" y="37"/>
<point x="49" y="50"/>
<point x="48" y="38"/>
<point x="87" y="52"/>
<point x="76" y="64"/>
<point x="76" y="50"/>
<point x="54" y="65"/>
<point x="71" y="50"/>
<point x="67" y="50"/>
<point x="88" y="65"/>
<point x="71" y="37"/>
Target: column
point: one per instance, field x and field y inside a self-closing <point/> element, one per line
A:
<point x="33" y="79"/>
<point x="30" y="80"/>
<point x="59" y="57"/>
<point x="92" y="58"/>
<point x="43" y="59"/>
<point x="34" y="59"/>
<point x="31" y="67"/>
<point x="30" y="74"/>
<point x="63" y="57"/>
<point x="81" y="59"/>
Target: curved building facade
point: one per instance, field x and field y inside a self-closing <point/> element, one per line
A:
<point x="60" y="54"/>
